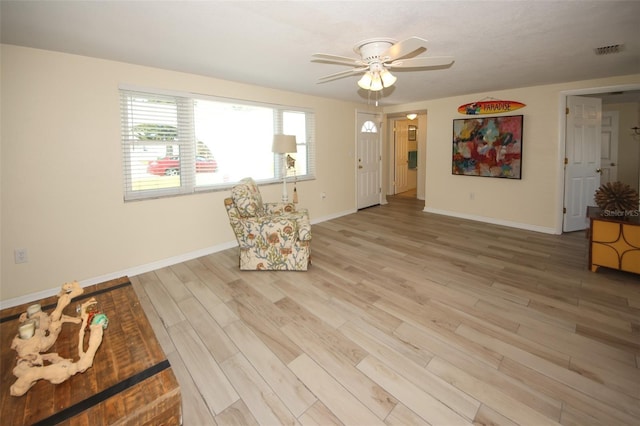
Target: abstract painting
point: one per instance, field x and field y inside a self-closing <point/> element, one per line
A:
<point x="488" y="146"/>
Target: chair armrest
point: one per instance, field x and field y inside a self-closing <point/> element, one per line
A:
<point x="304" y="225"/>
<point x="279" y="208"/>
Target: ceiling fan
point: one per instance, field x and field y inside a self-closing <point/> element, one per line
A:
<point x="377" y="56"/>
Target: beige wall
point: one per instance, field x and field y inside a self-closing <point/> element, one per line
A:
<point x="535" y="201"/>
<point x="62" y="195"/>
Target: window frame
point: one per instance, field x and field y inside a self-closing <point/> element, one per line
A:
<point x="187" y="141"/>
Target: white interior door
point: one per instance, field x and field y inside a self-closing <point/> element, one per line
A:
<point x="582" y="159"/>
<point x="401" y="135"/>
<point x="609" y="147"/>
<point x="369" y="162"/>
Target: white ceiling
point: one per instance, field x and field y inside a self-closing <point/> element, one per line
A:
<point x="497" y="44"/>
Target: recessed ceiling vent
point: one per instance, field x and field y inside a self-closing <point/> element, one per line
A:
<point x="610" y="49"/>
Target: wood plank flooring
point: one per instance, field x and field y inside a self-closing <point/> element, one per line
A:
<point x="404" y="318"/>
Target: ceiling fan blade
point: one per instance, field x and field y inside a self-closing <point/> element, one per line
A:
<point x="424" y="62"/>
<point x="341" y="74"/>
<point x="404" y="48"/>
<point x="325" y="57"/>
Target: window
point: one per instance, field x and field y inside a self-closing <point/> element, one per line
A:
<point x="369" y="127"/>
<point x="179" y="144"/>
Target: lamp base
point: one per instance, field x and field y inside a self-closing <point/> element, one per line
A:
<point x="285" y="196"/>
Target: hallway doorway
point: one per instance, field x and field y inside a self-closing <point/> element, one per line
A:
<point x="406" y="149"/>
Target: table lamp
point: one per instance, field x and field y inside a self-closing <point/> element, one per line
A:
<point x="284" y="144"/>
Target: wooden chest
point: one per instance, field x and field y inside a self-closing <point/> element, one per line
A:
<point x="130" y="382"/>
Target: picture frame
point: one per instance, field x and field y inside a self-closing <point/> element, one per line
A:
<point x="412" y="133"/>
<point x="488" y="146"/>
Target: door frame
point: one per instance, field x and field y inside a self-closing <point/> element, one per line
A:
<point x="562" y="127"/>
<point x="396" y="157"/>
<point x="389" y="160"/>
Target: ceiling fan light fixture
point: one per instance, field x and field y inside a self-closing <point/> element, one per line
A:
<point x="376" y="80"/>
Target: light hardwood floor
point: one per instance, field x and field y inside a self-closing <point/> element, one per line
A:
<point x="404" y="318"/>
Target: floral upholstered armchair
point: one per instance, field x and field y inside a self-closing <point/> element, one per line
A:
<point x="271" y="236"/>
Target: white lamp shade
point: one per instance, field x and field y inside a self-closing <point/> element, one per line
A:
<point x="283" y="144"/>
<point x="376" y="83"/>
<point x="387" y="78"/>
<point x="365" y="81"/>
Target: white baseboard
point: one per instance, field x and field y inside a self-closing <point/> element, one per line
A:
<point x="141" y="269"/>
<point x="510" y="224"/>
<point x="130" y="272"/>
<point x="333" y="216"/>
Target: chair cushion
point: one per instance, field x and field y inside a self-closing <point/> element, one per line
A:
<point x="247" y="198"/>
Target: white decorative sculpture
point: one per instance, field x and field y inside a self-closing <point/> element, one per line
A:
<point x="31" y="361"/>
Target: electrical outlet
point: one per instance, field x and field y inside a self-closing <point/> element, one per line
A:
<point x="323" y="195"/>
<point x="21" y="255"/>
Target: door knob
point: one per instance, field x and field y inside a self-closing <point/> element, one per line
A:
<point x="599" y="171"/>
<point x="613" y="164"/>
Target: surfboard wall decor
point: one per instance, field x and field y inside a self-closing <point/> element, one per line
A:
<point x="489" y="107"/>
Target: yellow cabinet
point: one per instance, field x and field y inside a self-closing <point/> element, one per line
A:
<point x="614" y="242"/>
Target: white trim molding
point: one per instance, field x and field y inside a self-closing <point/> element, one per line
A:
<point x="130" y="272"/>
<point x="494" y="221"/>
<point x="141" y="269"/>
